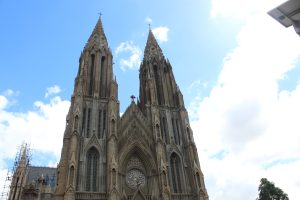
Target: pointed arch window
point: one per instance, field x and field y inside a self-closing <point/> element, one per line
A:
<point x="76" y="122"/>
<point x="92" y="75"/>
<point x="176" y="173"/>
<point x="83" y="119"/>
<point x="159" y="86"/>
<point x="92" y="169"/>
<point x="88" y="123"/>
<point x="164" y="129"/>
<point x="178" y="131"/>
<point x="175" y="131"/>
<point x="102" y="76"/>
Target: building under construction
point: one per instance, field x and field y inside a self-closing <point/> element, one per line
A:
<point x="26" y="182"/>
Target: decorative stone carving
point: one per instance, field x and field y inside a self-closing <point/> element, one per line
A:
<point x="135" y="178"/>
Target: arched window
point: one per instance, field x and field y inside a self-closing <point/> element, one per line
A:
<point x="159" y="86"/>
<point x="176" y="137"/>
<point x="88" y="123"/>
<point x="101" y="123"/>
<point x="164" y="129"/>
<point x="102" y="77"/>
<point x="92" y="74"/>
<point x="175" y="173"/>
<point x="76" y="122"/>
<point x="92" y="169"/>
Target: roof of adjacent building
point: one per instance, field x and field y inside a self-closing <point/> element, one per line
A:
<point x="45" y="174"/>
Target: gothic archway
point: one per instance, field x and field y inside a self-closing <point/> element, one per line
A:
<point x="137" y="167"/>
<point x="135" y="173"/>
<point x="176" y="173"/>
<point x="143" y="154"/>
<point x="92" y="163"/>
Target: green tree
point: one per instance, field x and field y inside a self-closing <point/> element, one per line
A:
<point x="268" y="191"/>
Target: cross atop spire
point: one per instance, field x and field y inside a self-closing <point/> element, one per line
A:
<point x="100" y="14"/>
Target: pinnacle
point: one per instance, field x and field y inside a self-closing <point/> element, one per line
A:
<point x="152" y="48"/>
<point x="99" y="27"/>
<point x="98" y="36"/>
<point x="151" y="40"/>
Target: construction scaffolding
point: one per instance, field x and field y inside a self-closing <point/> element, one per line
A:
<point x="23" y="155"/>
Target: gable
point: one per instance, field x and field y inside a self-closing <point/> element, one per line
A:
<point x="134" y="120"/>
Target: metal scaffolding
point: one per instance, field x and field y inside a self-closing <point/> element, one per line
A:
<point x="23" y="154"/>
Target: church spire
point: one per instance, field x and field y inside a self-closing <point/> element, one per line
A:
<point x="97" y="38"/>
<point x="95" y="65"/>
<point x="152" y="48"/>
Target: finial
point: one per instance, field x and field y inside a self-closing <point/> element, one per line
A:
<point x="100" y="14"/>
<point x="132" y="98"/>
<point x="149" y="26"/>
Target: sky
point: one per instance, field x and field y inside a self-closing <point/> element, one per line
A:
<point x="238" y="69"/>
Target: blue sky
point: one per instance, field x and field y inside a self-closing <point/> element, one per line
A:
<point x="237" y="68"/>
<point x="45" y="40"/>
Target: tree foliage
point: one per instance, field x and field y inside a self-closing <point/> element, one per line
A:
<point x="268" y="191"/>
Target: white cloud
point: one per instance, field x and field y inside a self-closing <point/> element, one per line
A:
<point x="7" y="98"/>
<point x="42" y="127"/>
<point x="52" y="91"/>
<point x="161" y="33"/>
<point x="241" y="9"/>
<point x="8" y="92"/>
<point x="246" y="115"/>
<point x="133" y="54"/>
<point x="3" y="102"/>
<point x="148" y="20"/>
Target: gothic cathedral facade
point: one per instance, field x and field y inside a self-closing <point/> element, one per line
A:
<point x="148" y="153"/>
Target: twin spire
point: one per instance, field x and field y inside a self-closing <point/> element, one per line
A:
<point x="98" y="40"/>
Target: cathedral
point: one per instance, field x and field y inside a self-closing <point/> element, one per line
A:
<point x="148" y="153"/>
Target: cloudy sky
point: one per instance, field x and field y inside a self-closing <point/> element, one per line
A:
<point x="238" y="69"/>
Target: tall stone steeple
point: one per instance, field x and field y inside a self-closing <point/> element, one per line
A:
<point x="96" y="65"/>
<point x="157" y="79"/>
<point x="162" y="102"/>
<point x="88" y="138"/>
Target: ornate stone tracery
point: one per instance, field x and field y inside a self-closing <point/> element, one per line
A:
<point x="135" y="173"/>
